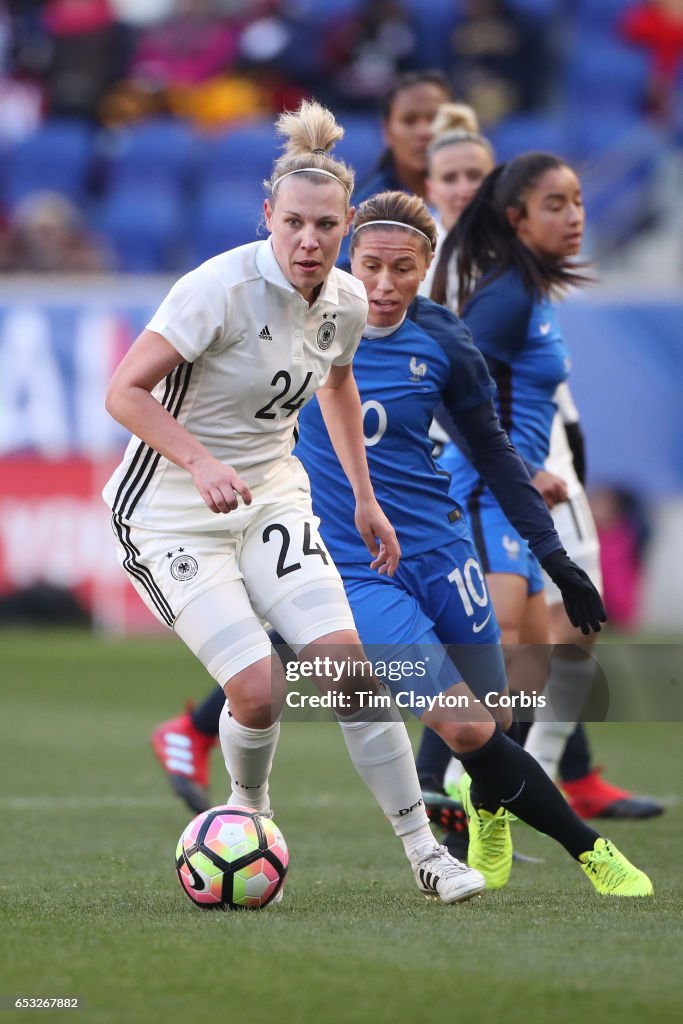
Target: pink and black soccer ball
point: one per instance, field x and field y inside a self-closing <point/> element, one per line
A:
<point x="229" y="858"/>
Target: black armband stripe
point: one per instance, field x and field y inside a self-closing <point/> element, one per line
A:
<point x="575" y="518"/>
<point x="474" y="517"/>
<point x="502" y="375"/>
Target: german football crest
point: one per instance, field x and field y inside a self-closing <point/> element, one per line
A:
<point x="184" y="567"/>
<point x="326" y="332"/>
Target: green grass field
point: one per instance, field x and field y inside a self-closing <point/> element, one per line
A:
<point x="91" y="906"/>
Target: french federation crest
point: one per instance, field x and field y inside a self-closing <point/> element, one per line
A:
<point x="417" y="370"/>
<point x="326" y="332"/>
<point x="511" y="546"/>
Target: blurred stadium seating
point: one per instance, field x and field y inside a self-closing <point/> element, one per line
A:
<point x="161" y="151"/>
<point x="433" y="23"/>
<point x="226" y="214"/>
<point x="246" y="151"/>
<point x="595" y="118"/>
<point x="57" y="158"/>
<point x="145" y="225"/>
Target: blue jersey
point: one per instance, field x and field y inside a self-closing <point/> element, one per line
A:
<point x="402" y="377"/>
<point x="521" y="340"/>
<point x="380" y="180"/>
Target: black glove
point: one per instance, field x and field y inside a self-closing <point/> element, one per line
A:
<point x="582" y="602"/>
<point x="578" y="449"/>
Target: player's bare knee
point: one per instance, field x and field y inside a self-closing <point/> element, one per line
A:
<point x="254" y="713"/>
<point x="255" y="697"/>
<point x="340" y="646"/>
<point x="465" y="737"/>
<point x="342" y="666"/>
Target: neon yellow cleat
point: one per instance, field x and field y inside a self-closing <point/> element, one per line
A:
<point x="612" y="874"/>
<point x="490" y="846"/>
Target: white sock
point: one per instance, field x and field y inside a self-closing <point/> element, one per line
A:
<point x="248" y="757"/>
<point x="418" y="843"/>
<point x="383" y="757"/>
<point x="568" y="686"/>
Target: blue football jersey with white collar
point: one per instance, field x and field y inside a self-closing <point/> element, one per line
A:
<point x="402" y="378"/>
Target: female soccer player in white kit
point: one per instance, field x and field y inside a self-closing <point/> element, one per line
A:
<point x="211" y="391"/>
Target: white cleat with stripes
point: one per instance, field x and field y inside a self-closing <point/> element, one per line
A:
<point x="440" y="876"/>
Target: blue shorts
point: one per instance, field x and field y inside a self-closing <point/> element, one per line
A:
<point x="435" y="611"/>
<point x="501" y="548"/>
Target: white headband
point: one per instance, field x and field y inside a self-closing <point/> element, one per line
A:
<point x="396" y="224"/>
<point x="309" y="170"/>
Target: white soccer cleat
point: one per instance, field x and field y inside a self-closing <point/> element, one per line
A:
<point x="440" y="876"/>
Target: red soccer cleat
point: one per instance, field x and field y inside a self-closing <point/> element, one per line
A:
<point x="183" y="753"/>
<point x="593" y="797"/>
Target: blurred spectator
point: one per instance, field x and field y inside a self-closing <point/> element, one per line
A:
<point x="221" y="100"/>
<point x="657" y="26"/>
<point x="283" y="49"/>
<point x="21" y="105"/>
<point x="142" y="12"/>
<point x="500" y="59"/>
<point x="192" y="45"/>
<point x="46" y="234"/>
<point x="366" y="50"/>
<point x="90" y="50"/>
<point x="30" y="43"/>
<point x="186" y="65"/>
<point x="623" y="531"/>
<point x="20" y="97"/>
<point x="408" y="109"/>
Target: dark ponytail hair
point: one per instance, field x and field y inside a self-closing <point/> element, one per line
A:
<point x="488" y="245"/>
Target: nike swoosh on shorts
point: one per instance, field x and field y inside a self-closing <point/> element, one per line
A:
<point x="477" y="628"/>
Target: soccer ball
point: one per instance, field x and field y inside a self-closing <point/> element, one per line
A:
<point x="229" y="858"/>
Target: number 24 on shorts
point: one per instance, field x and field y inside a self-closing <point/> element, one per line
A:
<point x="283" y="568"/>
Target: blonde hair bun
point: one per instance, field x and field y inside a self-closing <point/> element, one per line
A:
<point x="452" y="117"/>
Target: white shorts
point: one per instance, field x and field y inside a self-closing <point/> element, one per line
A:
<point x="574" y="523"/>
<point x="215" y="589"/>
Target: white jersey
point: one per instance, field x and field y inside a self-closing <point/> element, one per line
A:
<point x="426" y="285"/>
<point x="254" y="352"/>
<point x="451" y="272"/>
<point x="560" y="459"/>
<point x="572" y="518"/>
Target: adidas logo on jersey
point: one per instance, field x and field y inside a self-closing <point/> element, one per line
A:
<point x="265" y="334"/>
